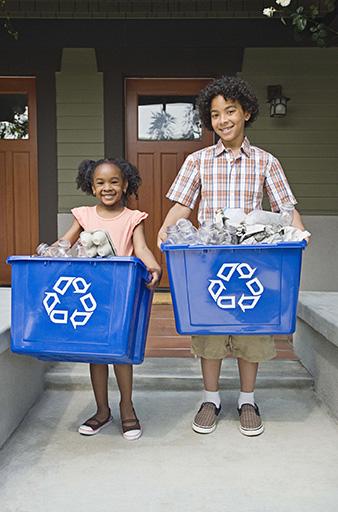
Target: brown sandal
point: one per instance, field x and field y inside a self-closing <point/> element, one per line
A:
<point x="131" y="428"/>
<point x="93" y="426"/>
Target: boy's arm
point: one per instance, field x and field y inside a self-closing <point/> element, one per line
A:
<point x="178" y="211"/>
<point x="142" y="251"/>
<point x="297" y="221"/>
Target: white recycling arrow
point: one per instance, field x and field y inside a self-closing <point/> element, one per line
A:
<point x="80" y="285"/>
<point x="226" y="302"/>
<point x="232" y="268"/>
<point x="58" y="285"/>
<point x="260" y="288"/>
<point x="59" y="316"/>
<point x="221" y="288"/>
<point x="49" y="306"/>
<point x="92" y="302"/>
<point x="242" y="274"/>
<point x="80" y="318"/>
<point x="248" y="302"/>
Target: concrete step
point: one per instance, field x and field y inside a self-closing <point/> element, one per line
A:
<point x="182" y="374"/>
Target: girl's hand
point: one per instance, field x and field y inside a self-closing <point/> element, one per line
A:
<point x="156" y="274"/>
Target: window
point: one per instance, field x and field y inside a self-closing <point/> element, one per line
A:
<point x="13" y="116"/>
<point x="168" y="118"/>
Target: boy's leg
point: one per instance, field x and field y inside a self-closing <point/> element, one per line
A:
<point x="247" y="374"/>
<point x="130" y="425"/>
<point x="99" y="379"/>
<point x="250" y="350"/>
<point x="211" y="369"/>
<point x="211" y="350"/>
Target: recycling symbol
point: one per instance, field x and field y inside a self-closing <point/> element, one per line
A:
<point x="62" y="316"/>
<point x="254" y="288"/>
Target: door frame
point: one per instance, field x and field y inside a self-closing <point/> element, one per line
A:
<point x="23" y="85"/>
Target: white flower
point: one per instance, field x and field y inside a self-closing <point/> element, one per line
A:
<point x="283" y="3"/>
<point x="268" y="11"/>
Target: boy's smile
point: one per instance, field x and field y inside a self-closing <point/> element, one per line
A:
<point x="228" y="121"/>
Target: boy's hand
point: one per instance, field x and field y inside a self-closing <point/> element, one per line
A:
<point x="161" y="237"/>
<point x="156" y="274"/>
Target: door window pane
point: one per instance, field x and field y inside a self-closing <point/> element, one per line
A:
<point x="13" y="116"/>
<point x="168" y="118"/>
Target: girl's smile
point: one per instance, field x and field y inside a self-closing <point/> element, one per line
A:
<point x="108" y="186"/>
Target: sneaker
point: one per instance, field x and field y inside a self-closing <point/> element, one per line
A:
<point x="250" y="422"/>
<point x="206" y="418"/>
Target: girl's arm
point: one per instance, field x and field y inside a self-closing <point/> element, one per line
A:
<point x="73" y="232"/>
<point x="142" y="251"/>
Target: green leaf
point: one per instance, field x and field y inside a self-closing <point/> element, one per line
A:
<point x="330" y="5"/>
<point x="314" y="11"/>
<point x="301" y="23"/>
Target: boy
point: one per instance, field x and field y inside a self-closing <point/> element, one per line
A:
<point x="230" y="174"/>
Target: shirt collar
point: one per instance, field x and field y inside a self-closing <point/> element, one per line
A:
<point x="245" y="147"/>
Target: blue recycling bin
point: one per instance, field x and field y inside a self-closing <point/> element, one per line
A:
<point x="80" y="309"/>
<point x="235" y="289"/>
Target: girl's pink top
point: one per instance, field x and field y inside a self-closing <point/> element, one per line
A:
<point x="120" y="228"/>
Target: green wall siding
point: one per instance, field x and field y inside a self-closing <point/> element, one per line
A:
<point x="305" y="141"/>
<point x="79" y="97"/>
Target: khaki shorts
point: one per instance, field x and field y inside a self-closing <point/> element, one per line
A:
<point x="254" y="349"/>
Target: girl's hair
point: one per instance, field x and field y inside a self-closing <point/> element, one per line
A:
<point x="231" y="88"/>
<point x="129" y="172"/>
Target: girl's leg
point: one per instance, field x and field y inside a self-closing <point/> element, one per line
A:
<point x="131" y="428"/>
<point x="99" y="379"/>
<point x="124" y="378"/>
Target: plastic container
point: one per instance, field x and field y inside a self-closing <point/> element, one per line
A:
<point x="84" y="310"/>
<point x="235" y="289"/>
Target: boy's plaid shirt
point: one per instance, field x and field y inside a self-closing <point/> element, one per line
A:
<point x="227" y="182"/>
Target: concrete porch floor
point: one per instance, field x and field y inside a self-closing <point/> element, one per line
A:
<point x="47" y="466"/>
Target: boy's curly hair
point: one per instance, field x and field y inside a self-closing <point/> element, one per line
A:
<point x="231" y="88"/>
<point x="129" y="172"/>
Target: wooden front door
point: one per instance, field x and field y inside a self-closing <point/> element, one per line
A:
<point x="18" y="170"/>
<point x="162" y="128"/>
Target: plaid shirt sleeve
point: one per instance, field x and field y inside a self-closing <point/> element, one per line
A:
<point x="186" y="186"/>
<point x="277" y="186"/>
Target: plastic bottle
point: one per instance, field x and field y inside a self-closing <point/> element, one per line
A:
<point x="286" y="214"/>
<point x="173" y="235"/>
<point x="78" y="250"/>
<point x="63" y="248"/>
<point x="42" y="249"/>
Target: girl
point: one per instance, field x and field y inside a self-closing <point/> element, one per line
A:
<point x="112" y="181"/>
